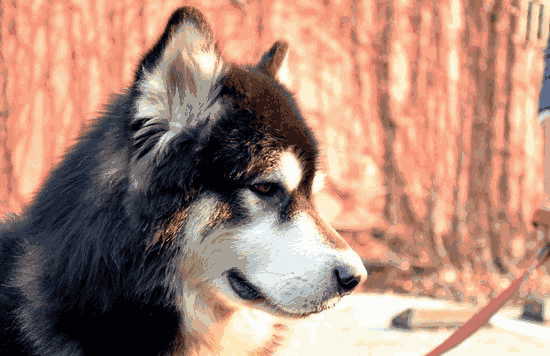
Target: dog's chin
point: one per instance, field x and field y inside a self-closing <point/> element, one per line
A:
<point x="292" y="313"/>
<point x="246" y="291"/>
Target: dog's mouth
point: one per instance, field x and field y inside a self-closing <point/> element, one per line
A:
<point x="247" y="291"/>
<point x="242" y="287"/>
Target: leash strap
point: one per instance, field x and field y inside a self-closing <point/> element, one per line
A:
<point x="483" y="316"/>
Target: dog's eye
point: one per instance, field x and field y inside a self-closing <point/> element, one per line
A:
<point x="266" y="189"/>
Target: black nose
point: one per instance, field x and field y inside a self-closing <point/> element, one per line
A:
<point x="347" y="281"/>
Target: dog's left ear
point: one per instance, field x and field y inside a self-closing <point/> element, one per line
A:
<point x="177" y="83"/>
<point x="176" y="101"/>
<point x="274" y="62"/>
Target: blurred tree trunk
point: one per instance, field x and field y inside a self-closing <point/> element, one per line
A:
<point x="6" y="172"/>
<point x="426" y="111"/>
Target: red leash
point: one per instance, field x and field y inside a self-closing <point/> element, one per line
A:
<point x="483" y="316"/>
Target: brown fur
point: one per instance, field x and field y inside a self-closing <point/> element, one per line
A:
<point x="176" y="223"/>
<point x="170" y="231"/>
<point x="257" y="92"/>
<point x="222" y="214"/>
<point x="332" y="237"/>
<point x="272" y="61"/>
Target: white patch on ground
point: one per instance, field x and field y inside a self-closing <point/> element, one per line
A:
<point x="361" y="322"/>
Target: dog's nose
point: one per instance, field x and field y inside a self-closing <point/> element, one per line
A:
<point x="347" y="279"/>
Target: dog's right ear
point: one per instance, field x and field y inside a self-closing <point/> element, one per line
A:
<point x="177" y="83"/>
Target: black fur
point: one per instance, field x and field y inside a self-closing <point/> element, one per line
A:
<point x="80" y="272"/>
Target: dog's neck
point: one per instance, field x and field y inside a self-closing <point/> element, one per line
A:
<point x="214" y="327"/>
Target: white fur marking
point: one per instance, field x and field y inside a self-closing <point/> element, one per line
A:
<point x="291" y="170"/>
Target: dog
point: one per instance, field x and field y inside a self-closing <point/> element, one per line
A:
<point x="182" y="222"/>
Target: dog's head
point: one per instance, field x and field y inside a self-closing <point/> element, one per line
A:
<point x="223" y="167"/>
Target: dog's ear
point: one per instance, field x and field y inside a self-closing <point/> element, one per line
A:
<point x="274" y="62"/>
<point x="177" y="83"/>
<point x="175" y="102"/>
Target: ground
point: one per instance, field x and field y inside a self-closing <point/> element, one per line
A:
<point x="359" y="326"/>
